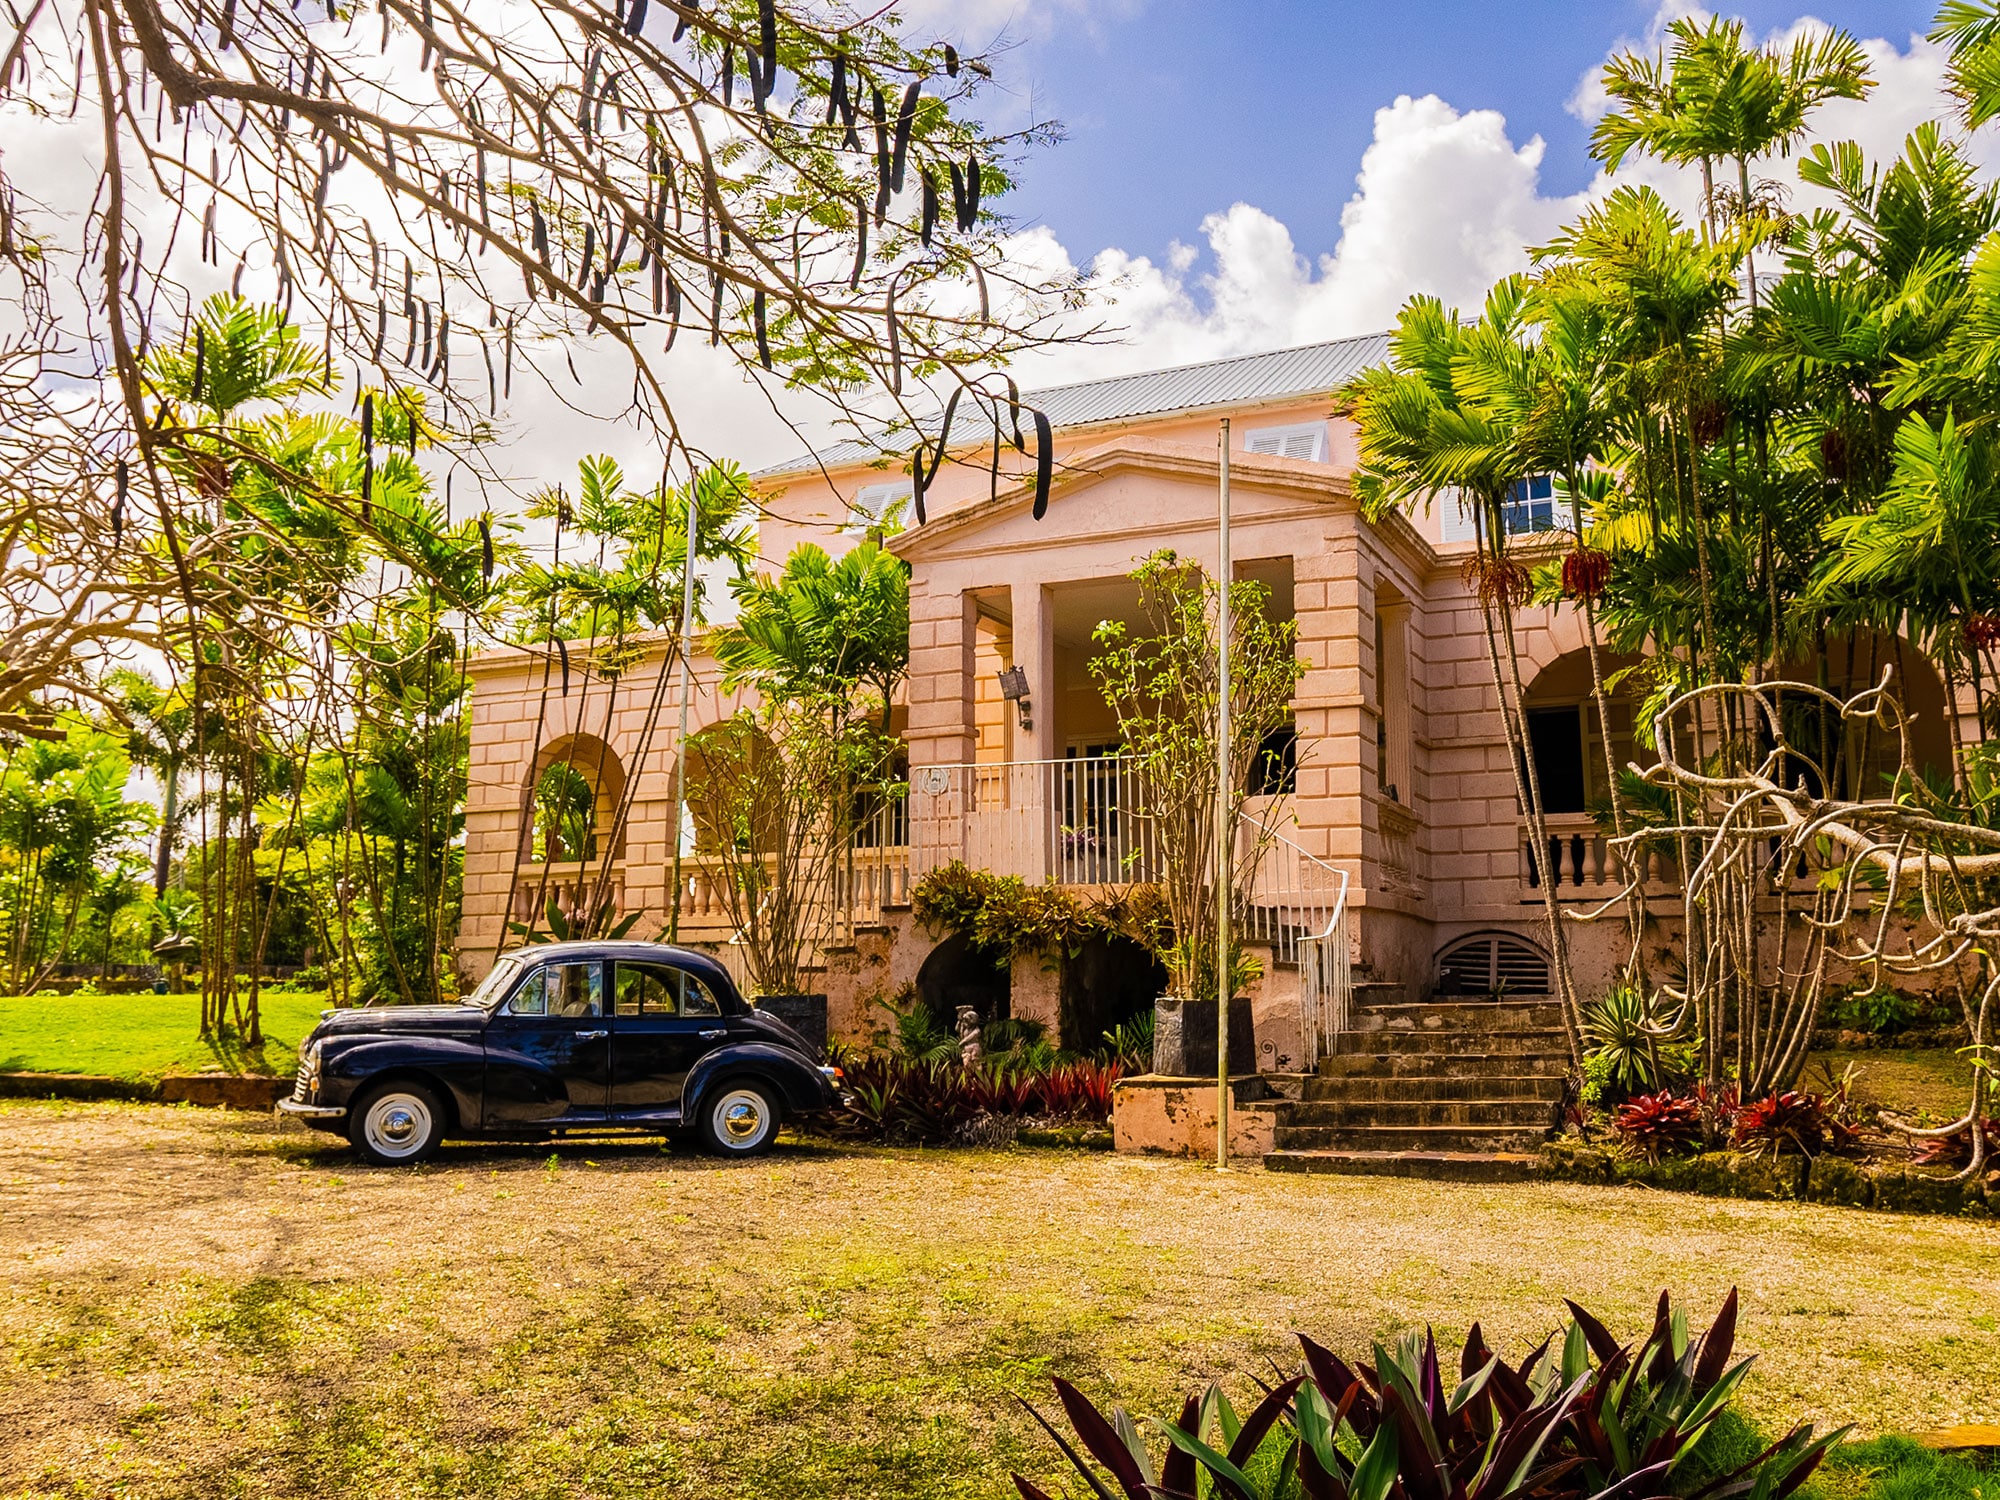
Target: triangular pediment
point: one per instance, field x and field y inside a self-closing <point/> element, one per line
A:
<point x="1129" y="486"/>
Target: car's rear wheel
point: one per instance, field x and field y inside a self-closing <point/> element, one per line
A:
<point x="741" y="1119"/>
<point x="397" y="1123"/>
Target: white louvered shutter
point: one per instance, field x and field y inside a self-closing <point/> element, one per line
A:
<point x="1307" y="441"/>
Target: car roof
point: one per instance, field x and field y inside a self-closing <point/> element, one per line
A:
<point x="693" y="958"/>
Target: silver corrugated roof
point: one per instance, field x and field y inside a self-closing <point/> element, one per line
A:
<point x="1243" y="380"/>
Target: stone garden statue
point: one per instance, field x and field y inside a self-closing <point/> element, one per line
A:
<point x="970" y="1051"/>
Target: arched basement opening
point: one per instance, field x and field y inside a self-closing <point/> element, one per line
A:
<point x="955" y="974"/>
<point x="1110" y="980"/>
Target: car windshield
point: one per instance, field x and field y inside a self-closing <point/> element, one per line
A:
<point x="497" y="982"/>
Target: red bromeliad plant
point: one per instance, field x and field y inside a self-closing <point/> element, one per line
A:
<point x="1659" y="1125"/>
<point x="1077" y="1090"/>
<point x="1588" y="1419"/>
<point x="1955" y="1150"/>
<point x="1792" y="1119"/>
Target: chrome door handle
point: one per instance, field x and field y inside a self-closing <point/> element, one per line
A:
<point x="591" y="1036"/>
<point x="709" y="1036"/>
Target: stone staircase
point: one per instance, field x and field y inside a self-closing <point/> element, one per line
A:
<point x="1464" y="1089"/>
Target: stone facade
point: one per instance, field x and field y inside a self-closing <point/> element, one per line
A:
<point x="1403" y="779"/>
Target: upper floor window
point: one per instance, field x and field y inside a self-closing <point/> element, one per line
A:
<point x="1306" y="440"/>
<point x="1531" y="505"/>
<point x="885" y="506"/>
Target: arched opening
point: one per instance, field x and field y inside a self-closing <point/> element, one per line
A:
<point x="1108" y="981"/>
<point x="1865" y="756"/>
<point x="571" y="802"/>
<point x="1488" y="965"/>
<point x="955" y="974"/>
<point x="1566" y="734"/>
<point x="734" y="780"/>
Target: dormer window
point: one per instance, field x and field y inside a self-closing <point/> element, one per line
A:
<point x="1306" y="440"/>
<point x="885" y="506"/>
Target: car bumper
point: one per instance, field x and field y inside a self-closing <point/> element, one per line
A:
<point x="307" y="1111"/>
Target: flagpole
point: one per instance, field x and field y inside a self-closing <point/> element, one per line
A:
<point x="1224" y="833"/>
<point x="681" y="742"/>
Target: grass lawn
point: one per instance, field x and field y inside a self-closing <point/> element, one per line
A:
<point x="1932" y="1086"/>
<point x="200" y="1304"/>
<point x="145" y="1036"/>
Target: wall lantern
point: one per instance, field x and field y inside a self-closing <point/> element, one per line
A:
<point x="1014" y="688"/>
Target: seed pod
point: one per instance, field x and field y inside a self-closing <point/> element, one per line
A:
<point x="492" y="383"/>
<point x="950" y="60"/>
<point x="972" y="185"/>
<point x="684" y="9"/>
<point x="838" y="105"/>
<point x="367" y="456"/>
<point x="985" y="306"/>
<point x="728" y="75"/>
<point x="659" y="288"/>
<point x="486" y="548"/>
<point x="1045" y="459"/>
<point x="906" y="117"/>
<point x="958" y="196"/>
<point x="860" y="245"/>
<point x="539" y="236"/>
<point x="381" y="327"/>
<point x="930" y="211"/>
<point x="764" y="74"/>
<point x="882" y="161"/>
<point x="895" y="344"/>
<point x="636" y="21"/>
<point x="757" y="319"/>
<point x="589" y="249"/>
<point x="562" y="652"/>
<point x="118" y="505"/>
<point x="507" y="362"/>
<point x="715" y="312"/>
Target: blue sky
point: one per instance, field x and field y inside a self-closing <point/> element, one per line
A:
<point x="1176" y="109"/>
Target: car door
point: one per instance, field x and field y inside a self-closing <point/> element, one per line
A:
<point x="548" y="1050"/>
<point x="664" y="1020"/>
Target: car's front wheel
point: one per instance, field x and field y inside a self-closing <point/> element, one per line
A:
<point x="740" y="1119"/>
<point x="397" y="1123"/>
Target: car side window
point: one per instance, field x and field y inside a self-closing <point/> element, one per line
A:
<point x="655" y="990"/>
<point x="644" y="990"/>
<point x="695" y="998"/>
<point x="575" y="989"/>
<point x="531" y="999"/>
<point x="560" y="990"/>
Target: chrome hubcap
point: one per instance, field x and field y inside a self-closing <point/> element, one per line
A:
<point x="397" y="1124"/>
<point x="741" y="1118"/>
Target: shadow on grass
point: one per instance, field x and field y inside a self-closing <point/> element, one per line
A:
<point x="1885" y="1468"/>
<point x="575" y="1150"/>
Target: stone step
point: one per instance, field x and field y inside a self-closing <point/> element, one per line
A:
<point x="1430" y="1138"/>
<point x="1539" y="1039"/>
<point x="1353" y="1086"/>
<point x="1413" y="1063"/>
<point x="1476" y="1017"/>
<point x="1312" y="1114"/>
<point x="1443" y="1166"/>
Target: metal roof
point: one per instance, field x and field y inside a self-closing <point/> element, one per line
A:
<point x="1243" y="380"/>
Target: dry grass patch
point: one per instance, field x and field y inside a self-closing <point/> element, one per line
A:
<point x="202" y="1304"/>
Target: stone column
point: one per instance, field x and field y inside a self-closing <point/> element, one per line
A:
<point x="941" y="731"/>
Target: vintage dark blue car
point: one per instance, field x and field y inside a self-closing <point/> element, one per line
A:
<point x="563" y="1037"/>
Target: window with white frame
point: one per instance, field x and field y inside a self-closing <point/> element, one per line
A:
<point x="1305" y="440"/>
<point x="1531" y="505"/>
<point x="886" y="505"/>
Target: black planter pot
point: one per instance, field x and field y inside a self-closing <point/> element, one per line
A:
<point x="1184" y="1038"/>
<point x="805" y="1014"/>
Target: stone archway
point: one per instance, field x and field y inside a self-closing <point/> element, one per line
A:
<point x="570" y="801"/>
<point x="955" y="974"/>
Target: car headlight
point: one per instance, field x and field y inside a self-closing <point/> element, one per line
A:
<point x="309" y="1068"/>
<point x="833" y="1076"/>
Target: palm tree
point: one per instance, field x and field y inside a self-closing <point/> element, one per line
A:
<point x="1428" y="425"/>
<point x="159" y="737"/>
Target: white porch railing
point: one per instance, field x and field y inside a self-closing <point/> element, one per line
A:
<point x="1079" y="822"/>
<point x="1326" y="983"/>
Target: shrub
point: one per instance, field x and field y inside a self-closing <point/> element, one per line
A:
<point x="1955" y="1150"/>
<point x="1798" y="1120"/>
<point x="898" y="1098"/>
<point x="1638" y="1050"/>
<point x="1585" y="1416"/>
<point x="1659" y="1125"/>
<point x="1130" y="1043"/>
<point x="1881" y="1012"/>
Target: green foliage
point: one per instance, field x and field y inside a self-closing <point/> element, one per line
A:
<point x="1162" y="683"/>
<point x="906" y="1097"/>
<point x="1882" y="1012"/>
<point x="1131" y="1042"/>
<point x="1634" y="1039"/>
<point x="1003" y="916"/>
<point x="1585" y="1417"/>
<point x="823" y="626"/>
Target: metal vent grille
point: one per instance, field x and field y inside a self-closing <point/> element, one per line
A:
<point x="1492" y="963"/>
